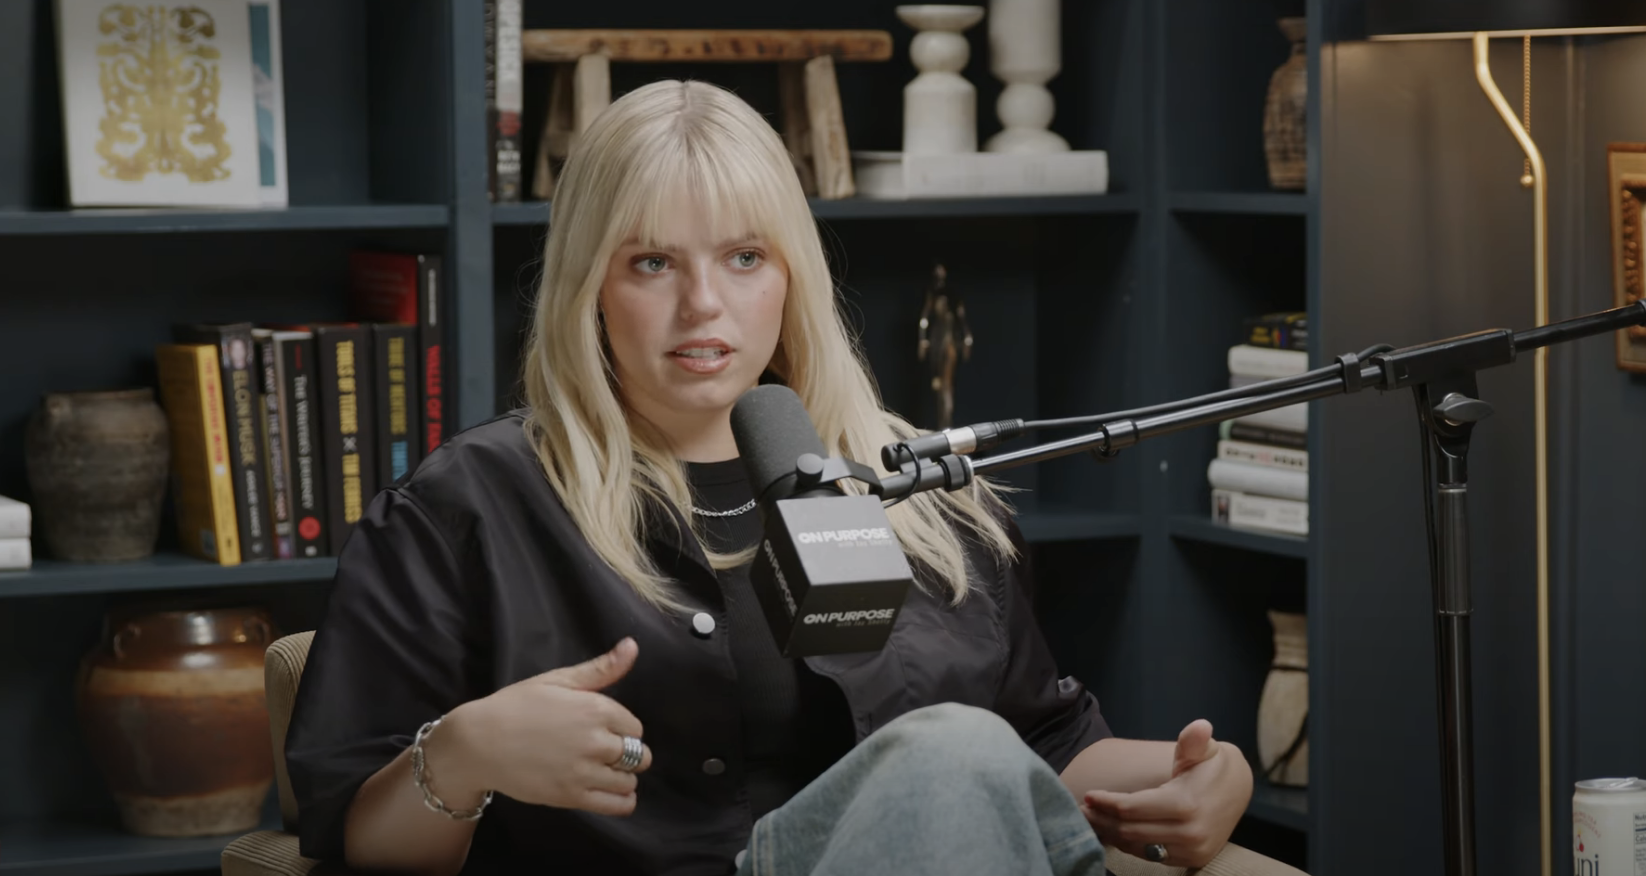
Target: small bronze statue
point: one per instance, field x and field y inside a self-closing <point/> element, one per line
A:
<point x="945" y="341"/>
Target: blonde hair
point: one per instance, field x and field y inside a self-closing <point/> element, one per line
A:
<point x="655" y="143"/>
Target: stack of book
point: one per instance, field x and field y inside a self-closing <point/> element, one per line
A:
<point x="1260" y="476"/>
<point x="14" y="535"/>
<point x="282" y="433"/>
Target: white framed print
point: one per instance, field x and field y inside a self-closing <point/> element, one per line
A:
<point x="269" y="89"/>
<point x="158" y="103"/>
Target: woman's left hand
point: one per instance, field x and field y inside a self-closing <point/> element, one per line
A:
<point x="1192" y="814"/>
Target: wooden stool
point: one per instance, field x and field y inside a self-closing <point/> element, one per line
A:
<point x="813" y="129"/>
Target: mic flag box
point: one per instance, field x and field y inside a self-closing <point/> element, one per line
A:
<point x="830" y="575"/>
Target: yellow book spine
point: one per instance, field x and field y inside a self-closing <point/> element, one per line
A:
<point x="217" y="449"/>
<point x="201" y="490"/>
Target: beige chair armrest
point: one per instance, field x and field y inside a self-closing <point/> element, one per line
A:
<point x="273" y="853"/>
<point x="1232" y="861"/>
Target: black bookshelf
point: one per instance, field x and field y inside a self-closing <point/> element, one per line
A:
<point x="1241" y="203"/>
<point x="175" y="221"/>
<point x="1202" y="529"/>
<point x="87" y="847"/>
<point x="538" y="212"/>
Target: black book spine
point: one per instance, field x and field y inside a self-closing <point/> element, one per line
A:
<point x="1265" y="435"/>
<point x="394" y="390"/>
<point x="435" y="401"/>
<point x="344" y="354"/>
<point x="308" y="493"/>
<point x="275" y="444"/>
<point x="251" y="507"/>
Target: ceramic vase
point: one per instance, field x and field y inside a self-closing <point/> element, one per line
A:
<point x="1285" y="112"/>
<point x="97" y="465"/>
<point x="1025" y="53"/>
<point x="939" y="105"/>
<point x="171" y="704"/>
<point x="1283" y="708"/>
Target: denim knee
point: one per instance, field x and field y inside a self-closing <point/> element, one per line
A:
<point x="956" y="735"/>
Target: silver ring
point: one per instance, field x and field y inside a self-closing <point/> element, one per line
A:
<point x="1155" y="852"/>
<point x="633" y="753"/>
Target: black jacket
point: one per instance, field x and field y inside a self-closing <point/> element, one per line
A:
<point x="470" y="575"/>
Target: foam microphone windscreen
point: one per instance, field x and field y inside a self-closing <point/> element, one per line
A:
<point x="772" y="430"/>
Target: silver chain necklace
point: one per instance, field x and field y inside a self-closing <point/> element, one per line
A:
<point x="741" y="509"/>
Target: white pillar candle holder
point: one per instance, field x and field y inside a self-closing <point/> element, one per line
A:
<point x="1024" y="53"/>
<point x="939" y="105"/>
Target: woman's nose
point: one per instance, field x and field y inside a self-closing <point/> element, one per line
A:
<point x="700" y="300"/>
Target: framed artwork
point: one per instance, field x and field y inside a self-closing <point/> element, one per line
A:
<point x="1626" y="188"/>
<point x="269" y="91"/>
<point x="158" y="103"/>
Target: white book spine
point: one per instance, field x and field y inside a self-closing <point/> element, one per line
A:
<point x="1260" y="480"/>
<point x="1266" y="362"/>
<point x="15" y="554"/>
<point x="1292" y="418"/>
<point x="1286" y="458"/>
<point x="1262" y="513"/>
<point x="14" y="518"/>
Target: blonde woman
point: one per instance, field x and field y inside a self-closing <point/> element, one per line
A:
<point x="542" y="649"/>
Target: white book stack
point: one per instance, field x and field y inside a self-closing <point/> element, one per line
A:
<point x="1260" y="477"/>
<point x="14" y="536"/>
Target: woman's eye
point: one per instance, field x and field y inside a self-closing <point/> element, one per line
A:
<point x="747" y="258"/>
<point x="652" y="264"/>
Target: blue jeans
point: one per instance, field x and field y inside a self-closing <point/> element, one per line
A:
<point x="947" y="789"/>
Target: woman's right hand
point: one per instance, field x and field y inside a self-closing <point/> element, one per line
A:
<point x="551" y="739"/>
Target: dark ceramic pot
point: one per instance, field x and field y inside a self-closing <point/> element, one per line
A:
<point x="172" y="707"/>
<point x="97" y="465"/>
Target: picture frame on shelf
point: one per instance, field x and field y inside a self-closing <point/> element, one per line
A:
<point x="269" y="90"/>
<point x="1626" y="188"/>
<point x="130" y="145"/>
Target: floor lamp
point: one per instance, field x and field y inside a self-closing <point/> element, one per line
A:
<point x="1479" y="21"/>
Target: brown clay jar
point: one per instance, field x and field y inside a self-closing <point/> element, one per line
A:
<point x="172" y="706"/>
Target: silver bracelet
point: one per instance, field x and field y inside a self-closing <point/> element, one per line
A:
<point x="421" y="780"/>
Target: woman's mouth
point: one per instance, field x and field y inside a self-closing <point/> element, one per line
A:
<point x="702" y="357"/>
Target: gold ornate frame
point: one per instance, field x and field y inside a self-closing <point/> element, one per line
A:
<point x="1626" y="189"/>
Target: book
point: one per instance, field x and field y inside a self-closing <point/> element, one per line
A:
<point x="343" y="360"/>
<point x="15" y="518"/>
<point x="505" y="97"/>
<point x="1238" y="431"/>
<point x="394" y="374"/>
<point x="1258" y="480"/>
<point x="201" y="462"/>
<point x="1246" y="360"/>
<point x="15" y="554"/>
<point x="1292" y="418"/>
<point x="158" y="109"/>
<point x="1285" y="331"/>
<point x="404" y="287"/>
<point x="237" y="359"/>
<point x="1290" y="459"/>
<point x="300" y="413"/>
<point x="271" y="421"/>
<point x="1239" y="510"/>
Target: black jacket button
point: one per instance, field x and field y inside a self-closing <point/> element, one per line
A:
<point x="702" y="624"/>
<point x="714" y="766"/>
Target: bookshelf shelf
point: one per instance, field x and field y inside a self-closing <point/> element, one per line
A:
<point x="1067" y="524"/>
<point x="537" y="212"/>
<point x="163" y="571"/>
<point x="66" y="848"/>
<point x="174" y="220"/>
<point x="1243" y="203"/>
<point x="1286" y="807"/>
<point x="1201" y="529"/>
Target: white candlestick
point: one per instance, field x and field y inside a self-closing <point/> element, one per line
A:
<point x="939" y="105"/>
<point x="1024" y="53"/>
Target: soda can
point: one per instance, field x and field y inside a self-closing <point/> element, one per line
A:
<point x="1609" y="828"/>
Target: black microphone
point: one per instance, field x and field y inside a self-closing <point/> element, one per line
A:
<point x="829" y="573"/>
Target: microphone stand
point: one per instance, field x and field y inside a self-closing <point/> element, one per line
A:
<point x="1441" y="375"/>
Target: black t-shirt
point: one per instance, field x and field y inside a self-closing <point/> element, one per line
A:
<point x="795" y="722"/>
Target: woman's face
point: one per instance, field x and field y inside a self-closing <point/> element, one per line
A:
<point x="693" y="322"/>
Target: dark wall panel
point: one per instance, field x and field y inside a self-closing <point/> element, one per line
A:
<point x="1426" y="234"/>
